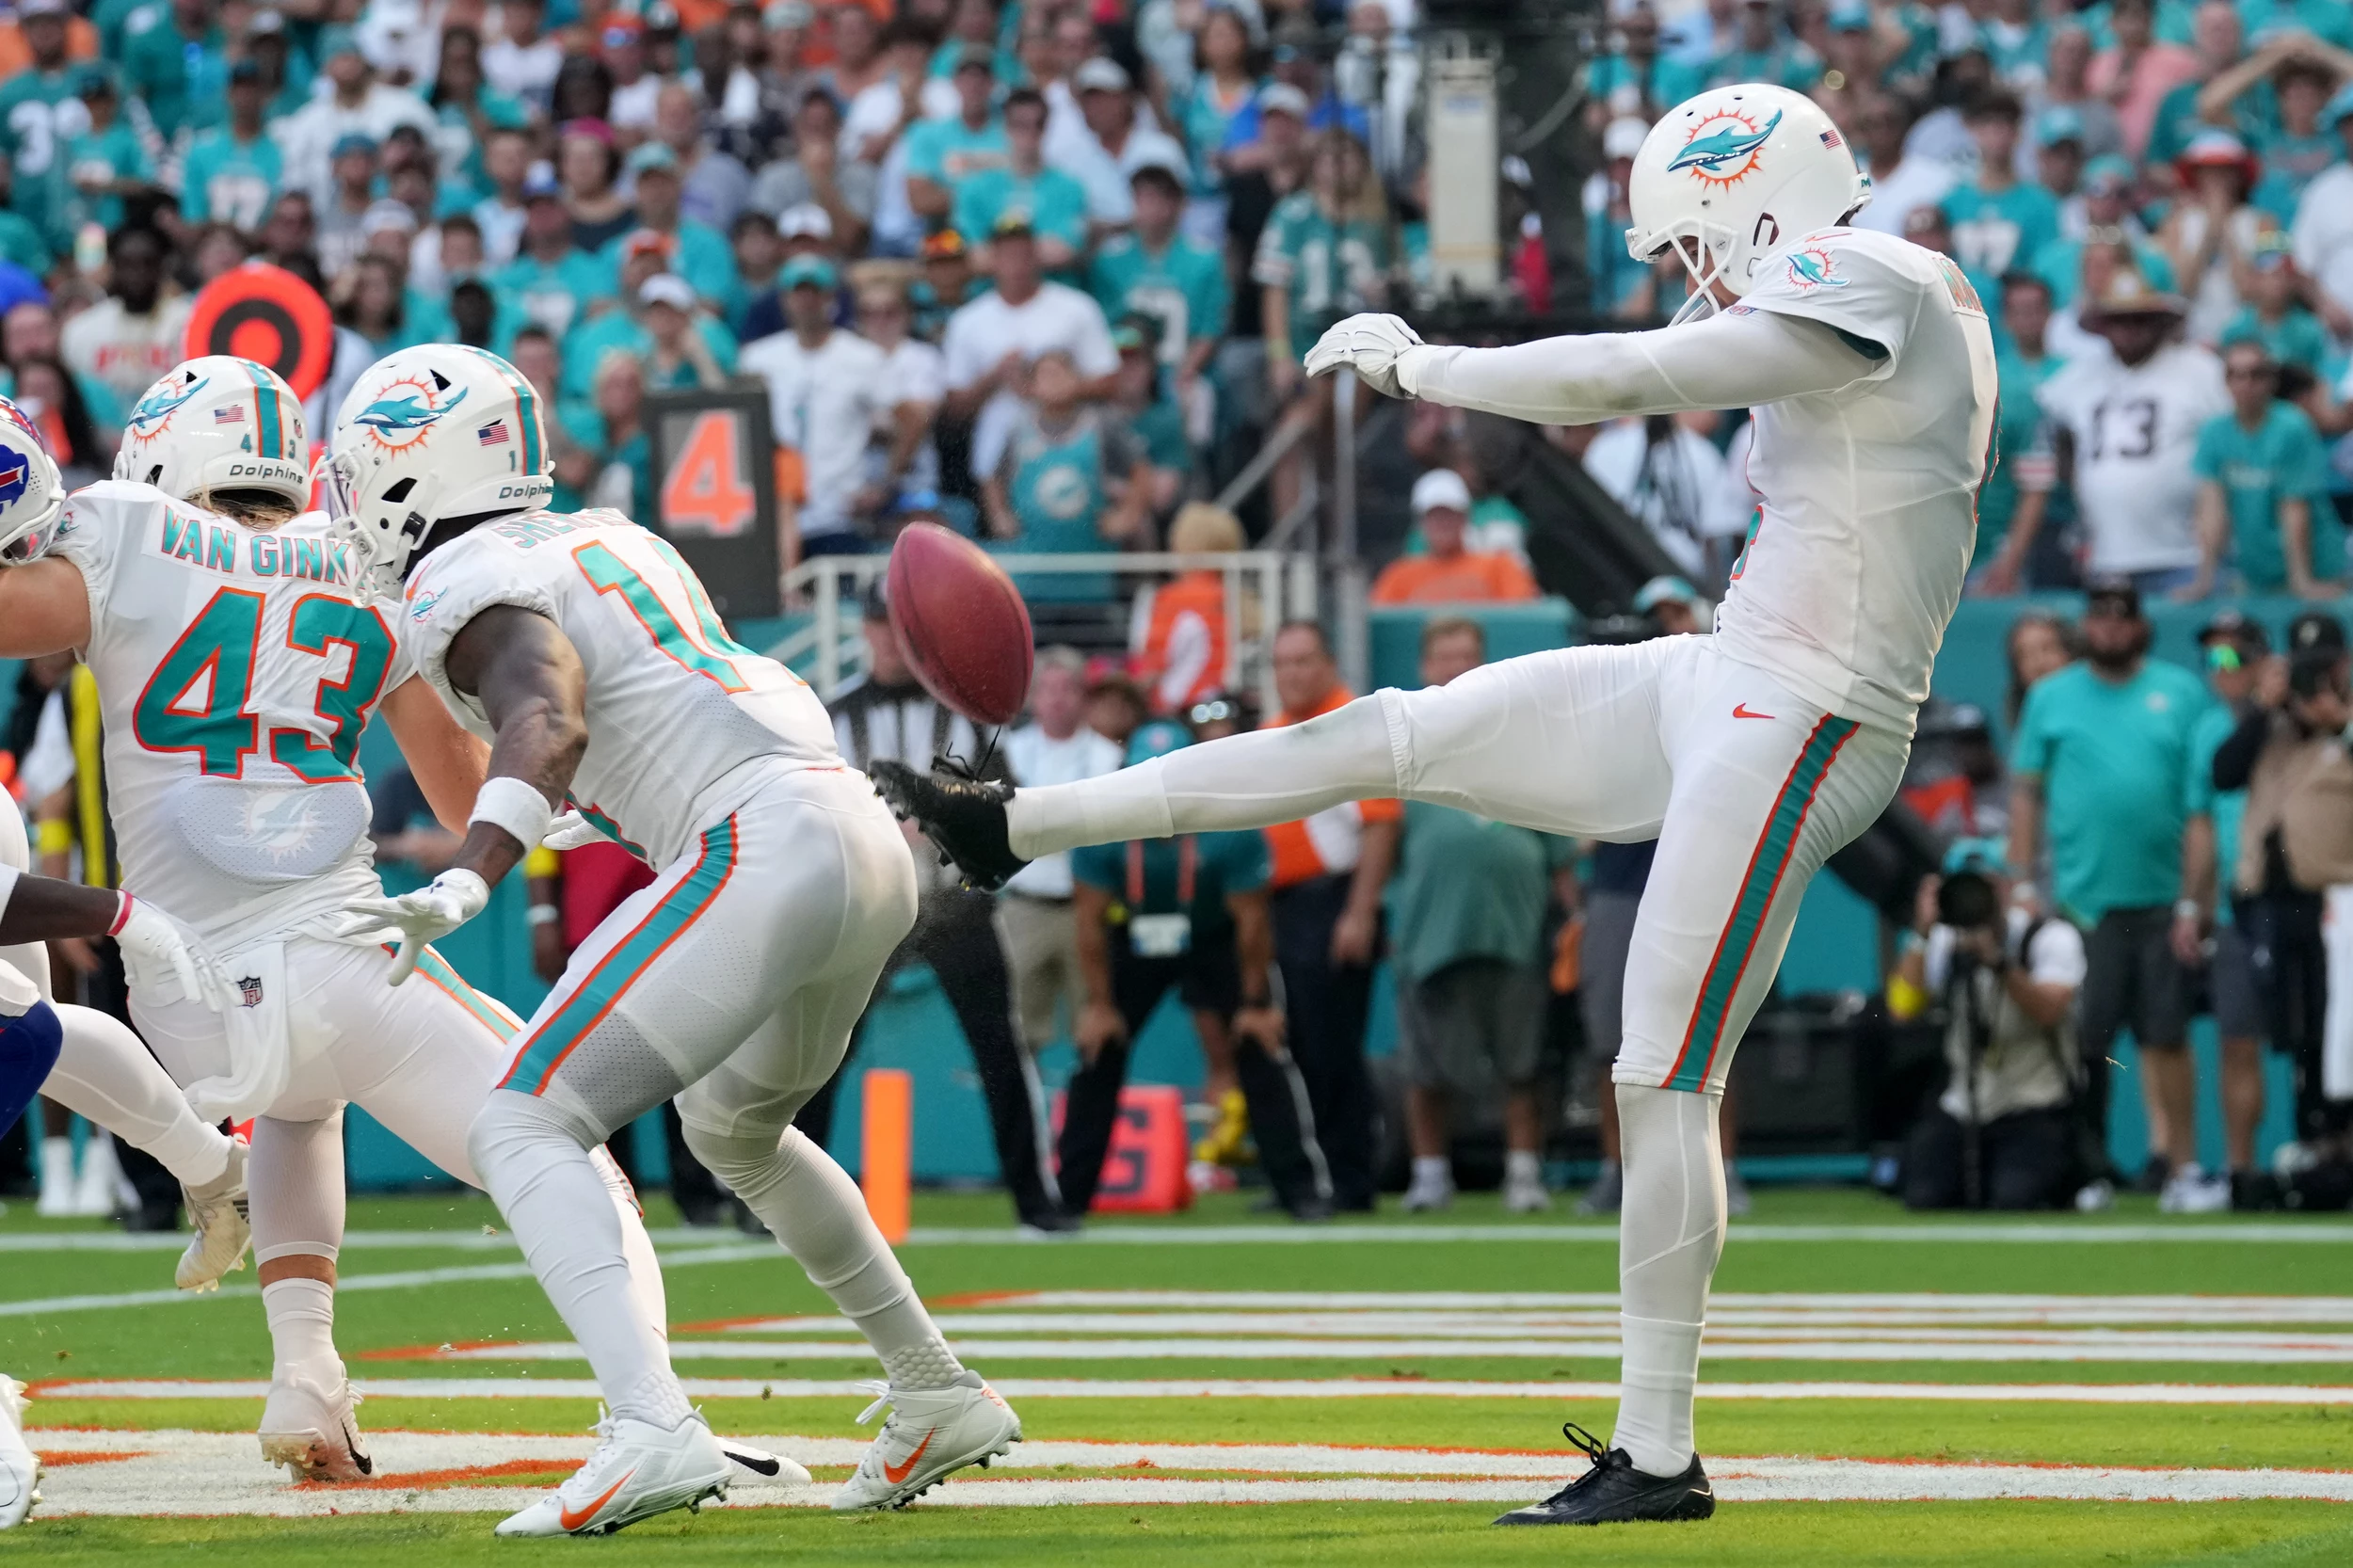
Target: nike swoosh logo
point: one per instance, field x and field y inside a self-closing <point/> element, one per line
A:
<point x="764" y="1466"/>
<point x="571" y="1521"/>
<point x="351" y="1440"/>
<point x="896" y="1474"/>
<point x="1744" y="711"/>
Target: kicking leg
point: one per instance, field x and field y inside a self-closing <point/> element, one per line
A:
<point x="298" y="1208"/>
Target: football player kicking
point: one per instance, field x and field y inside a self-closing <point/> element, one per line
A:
<point x="235" y="675"/>
<point x="1751" y="755"/>
<point x="588" y="654"/>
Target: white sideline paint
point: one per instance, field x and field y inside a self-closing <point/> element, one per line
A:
<point x="2006" y="1308"/>
<point x="180" y="1473"/>
<point x="1268" y="1388"/>
<point x="1785" y="1322"/>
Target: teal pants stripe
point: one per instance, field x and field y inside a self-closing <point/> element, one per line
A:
<point x="551" y="1042"/>
<point x="1767" y="865"/>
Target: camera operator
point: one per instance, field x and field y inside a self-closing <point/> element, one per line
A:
<point x="2002" y="1134"/>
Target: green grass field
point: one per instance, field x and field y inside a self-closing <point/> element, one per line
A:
<point x="1217" y="1387"/>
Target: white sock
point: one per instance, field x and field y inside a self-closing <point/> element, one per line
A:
<point x="816" y="1212"/>
<point x="562" y="1212"/>
<point x="1523" y="1167"/>
<point x="56" y="1163"/>
<point x="301" y="1314"/>
<point x="1671" y="1231"/>
<point x="1242" y="781"/>
<point x="1432" y="1170"/>
<point x="103" y="1073"/>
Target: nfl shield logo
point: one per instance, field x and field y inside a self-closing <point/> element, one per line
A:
<point x="250" y="989"/>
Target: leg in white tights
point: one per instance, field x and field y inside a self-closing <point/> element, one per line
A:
<point x="1669" y="1234"/>
<point x="103" y="1073"/>
<point x="296" y="1197"/>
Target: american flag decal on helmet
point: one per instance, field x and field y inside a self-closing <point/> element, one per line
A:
<point x="493" y="434"/>
<point x="233" y="414"/>
<point x="1830" y="138"/>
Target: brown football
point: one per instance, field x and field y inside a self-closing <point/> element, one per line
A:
<point x="962" y="623"/>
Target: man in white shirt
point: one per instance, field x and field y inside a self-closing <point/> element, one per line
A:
<point x="1120" y="141"/>
<point x="1900" y="184"/>
<point x="130" y="337"/>
<point x="523" y="63"/>
<point x="2127" y="423"/>
<point x="1665" y="471"/>
<point x="991" y="342"/>
<point x="1033" y="918"/>
<point x="825" y="388"/>
<point x="357" y="104"/>
<point x="2323" y="231"/>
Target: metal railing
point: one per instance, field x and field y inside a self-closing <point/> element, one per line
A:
<point x="1284" y="584"/>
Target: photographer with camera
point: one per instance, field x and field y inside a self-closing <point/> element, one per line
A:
<point x="2002" y="1134"/>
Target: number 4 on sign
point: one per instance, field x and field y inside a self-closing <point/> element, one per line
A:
<point x="704" y="493"/>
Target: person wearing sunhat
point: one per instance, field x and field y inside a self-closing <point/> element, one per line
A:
<point x="2263" y="491"/>
<point x="2125" y="427"/>
<point x="827" y="389"/>
<point x="2211" y="233"/>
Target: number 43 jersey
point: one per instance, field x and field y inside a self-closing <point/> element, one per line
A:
<point x="675" y="706"/>
<point x="234" y="676"/>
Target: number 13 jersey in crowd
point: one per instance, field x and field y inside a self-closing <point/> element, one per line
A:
<point x="235" y="674"/>
<point x="2134" y="430"/>
<point x="675" y="706"/>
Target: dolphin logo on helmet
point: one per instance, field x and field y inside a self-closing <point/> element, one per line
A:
<point x="1711" y="154"/>
<point x="400" y="416"/>
<point x="155" y="409"/>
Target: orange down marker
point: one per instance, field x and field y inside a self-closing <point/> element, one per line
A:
<point x="889" y="1152"/>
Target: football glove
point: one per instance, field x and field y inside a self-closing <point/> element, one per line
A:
<point x="159" y="940"/>
<point x="420" y="918"/>
<point x="1372" y="346"/>
<point x="570" y="830"/>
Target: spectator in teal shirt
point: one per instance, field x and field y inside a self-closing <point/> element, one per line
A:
<point x="21" y="242"/>
<point x="38" y="113"/>
<point x="2021" y="364"/>
<point x="1632" y="77"/>
<point x="1072" y="480"/>
<point x="2104" y="765"/>
<point x="1157" y="272"/>
<point x="696" y="251"/>
<point x="1056" y="202"/>
<point x="1763" y="50"/>
<point x="2262" y="477"/>
<point x="2275" y="314"/>
<point x="2297" y="146"/>
<point x="1999" y="222"/>
<point x="105" y="160"/>
<point x="233" y="172"/>
<point x="179" y="63"/>
<point x="941" y="154"/>
<point x="555" y="283"/>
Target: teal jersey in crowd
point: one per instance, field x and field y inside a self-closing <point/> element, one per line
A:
<point x="590" y="342"/>
<point x="1617" y="276"/>
<point x="2227" y="806"/>
<point x="555" y="294"/>
<point x="1786" y="64"/>
<point x="2118" y="785"/>
<point x="228" y="181"/>
<point x="101" y="157"/>
<point x="2015" y="49"/>
<point x="1149" y="877"/>
<point x="2060" y="264"/>
<point x="39" y="114"/>
<point x="2017" y="416"/>
<point x="1328" y="267"/>
<point x="1055" y="203"/>
<point x="703" y="258"/>
<point x="25" y="244"/>
<point x="185" y="81"/>
<point x="500" y="112"/>
<point x="2280" y="459"/>
<point x="1203" y="119"/>
<point x="1160" y="430"/>
<point x="1468" y="887"/>
<point x="1058" y="482"/>
<point x="2296" y="337"/>
<point x="2290" y="164"/>
<point x="950" y="151"/>
<point x="624" y="475"/>
<point x="2172" y="22"/>
<point x="112" y="18"/>
<point x="1183" y="288"/>
<point x="2329" y="21"/>
<point x="1662" y="82"/>
<point x="1999" y="231"/>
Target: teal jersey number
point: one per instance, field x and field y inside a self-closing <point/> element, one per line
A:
<point x="610" y="574"/>
<point x="217" y="652"/>
<point x="320" y="623"/>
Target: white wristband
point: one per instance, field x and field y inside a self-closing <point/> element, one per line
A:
<point x="515" y="805"/>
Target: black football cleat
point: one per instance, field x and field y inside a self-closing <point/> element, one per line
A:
<point x="1613" y="1492"/>
<point x="965" y="817"/>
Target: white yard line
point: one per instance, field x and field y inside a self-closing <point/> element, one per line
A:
<point x="1794" y="1322"/>
<point x="2020" y="1307"/>
<point x="1273" y="1388"/>
<point x="178" y="1473"/>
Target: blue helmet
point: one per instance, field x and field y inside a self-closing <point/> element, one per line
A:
<point x="32" y="492"/>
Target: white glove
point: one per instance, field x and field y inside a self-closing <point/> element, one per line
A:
<point x="572" y="831"/>
<point x="1371" y="345"/>
<point x="419" y="918"/>
<point x="157" y="938"/>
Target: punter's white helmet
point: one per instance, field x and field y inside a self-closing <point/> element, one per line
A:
<point x="1742" y="170"/>
<point x="218" y="422"/>
<point x="431" y="433"/>
<point x="32" y="492"/>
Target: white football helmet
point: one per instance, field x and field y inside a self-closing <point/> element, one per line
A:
<point x="32" y="492"/>
<point x="430" y="433"/>
<point x="218" y="422"/>
<point x="1743" y="171"/>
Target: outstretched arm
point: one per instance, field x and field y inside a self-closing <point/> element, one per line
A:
<point x="1721" y="362"/>
<point x="528" y="677"/>
<point x="43" y="609"/>
<point x="37" y="909"/>
<point x="449" y="765"/>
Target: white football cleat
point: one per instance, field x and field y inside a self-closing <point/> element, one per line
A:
<point x="753" y="1467"/>
<point x="19" y="1468"/>
<point x="312" y="1429"/>
<point x="638" y="1471"/>
<point x="217" y="1212"/>
<point x="929" y="1434"/>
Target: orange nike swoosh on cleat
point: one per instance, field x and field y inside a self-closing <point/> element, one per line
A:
<point x="571" y="1521"/>
<point x="895" y="1474"/>
<point x="1743" y="711"/>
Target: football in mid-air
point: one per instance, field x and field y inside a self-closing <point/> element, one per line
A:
<point x="961" y="622"/>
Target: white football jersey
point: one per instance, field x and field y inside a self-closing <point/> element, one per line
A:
<point x="234" y="676"/>
<point x="1869" y="492"/>
<point x="674" y="704"/>
<point x="2135" y="429"/>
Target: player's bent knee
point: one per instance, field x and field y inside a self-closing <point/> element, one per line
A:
<point x="30" y="1042"/>
<point x="508" y="1121"/>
